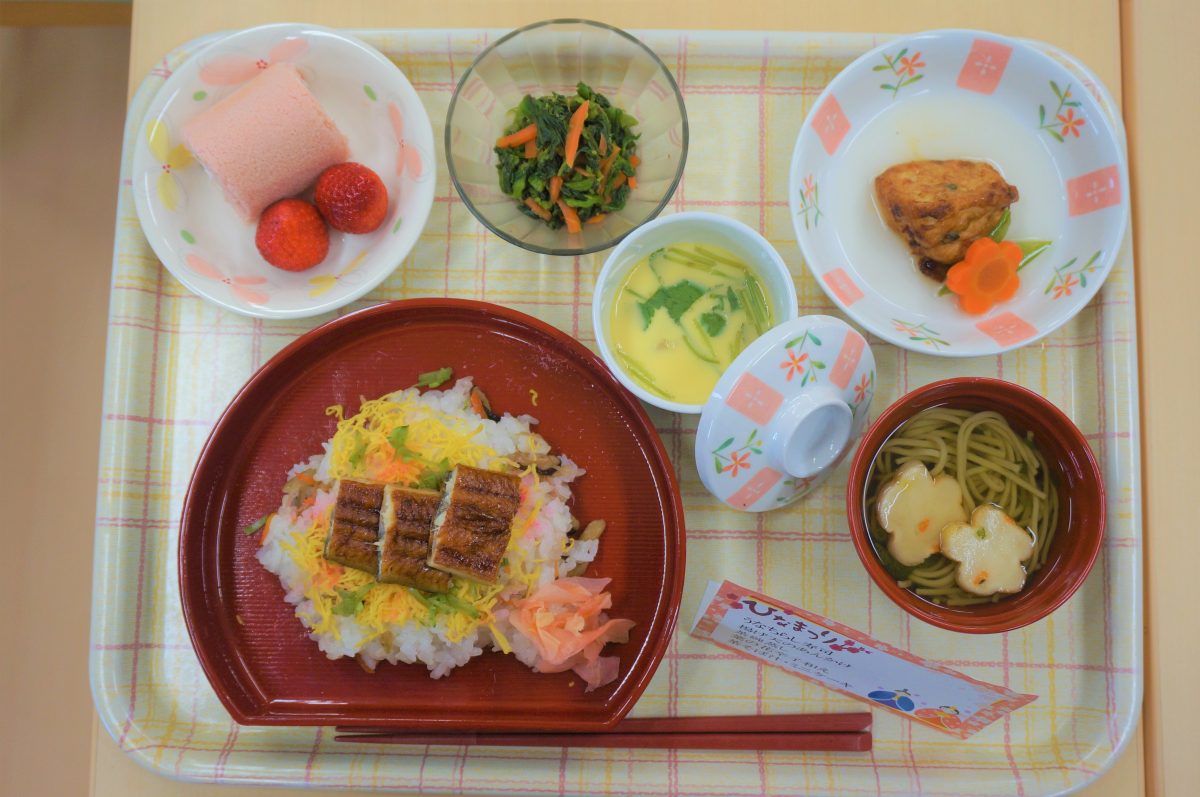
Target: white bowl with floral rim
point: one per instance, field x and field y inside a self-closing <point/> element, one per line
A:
<point x="696" y="227"/>
<point x="1041" y="118"/>
<point x="202" y="240"/>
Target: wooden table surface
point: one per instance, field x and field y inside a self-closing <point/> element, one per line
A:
<point x="1137" y="48"/>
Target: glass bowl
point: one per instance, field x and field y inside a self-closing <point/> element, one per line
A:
<point x="553" y="56"/>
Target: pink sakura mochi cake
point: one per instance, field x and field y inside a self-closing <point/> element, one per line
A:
<point x="266" y="141"/>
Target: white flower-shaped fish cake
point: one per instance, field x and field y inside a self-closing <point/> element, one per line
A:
<point x="990" y="551"/>
<point x="914" y="507"/>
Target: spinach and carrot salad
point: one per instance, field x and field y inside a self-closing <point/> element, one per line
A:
<point x="568" y="160"/>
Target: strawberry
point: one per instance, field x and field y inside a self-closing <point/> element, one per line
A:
<point x="352" y="198"/>
<point x="292" y="235"/>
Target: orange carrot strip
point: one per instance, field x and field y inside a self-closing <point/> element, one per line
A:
<point x="536" y="208"/>
<point x="632" y="182"/>
<point x="555" y="188"/>
<point x="603" y="145"/>
<point x="531" y="149"/>
<point x="599" y="217"/>
<point x="527" y="133"/>
<point x="574" y="130"/>
<point x="477" y="404"/>
<point x="607" y="163"/>
<point x="570" y="216"/>
<point x="262" y="539"/>
<point x="304" y="477"/>
<point x="635" y="161"/>
<point x="616" y="183"/>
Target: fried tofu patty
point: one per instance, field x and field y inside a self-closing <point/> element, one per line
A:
<point x="940" y="208"/>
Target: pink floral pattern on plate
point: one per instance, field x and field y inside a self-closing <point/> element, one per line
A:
<point x="842" y="286"/>
<point x="1063" y="123"/>
<point x="407" y="157"/>
<point x="906" y="68"/>
<point x="1007" y="329"/>
<point x="1066" y="278"/>
<point x="920" y="333"/>
<point x="985" y="66"/>
<point x="232" y="68"/>
<point x="241" y="286"/>
<point x="831" y="124"/>
<point x="1094" y="191"/>
<point x="810" y="210"/>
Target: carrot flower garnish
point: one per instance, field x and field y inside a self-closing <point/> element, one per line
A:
<point x="986" y="276"/>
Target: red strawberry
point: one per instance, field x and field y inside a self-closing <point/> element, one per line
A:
<point x="291" y="235"/>
<point x="352" y="198"/>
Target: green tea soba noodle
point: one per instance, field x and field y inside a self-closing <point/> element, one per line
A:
<point x="992" y="464"/>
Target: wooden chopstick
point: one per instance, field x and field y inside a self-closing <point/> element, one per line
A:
<point x="760" y="723"/>
<point x="845" y="741"/>
<point x="753" y="723"/>
<point x="833" y="732"/>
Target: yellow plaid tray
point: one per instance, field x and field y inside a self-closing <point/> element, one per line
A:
<point x="174" y="361"/>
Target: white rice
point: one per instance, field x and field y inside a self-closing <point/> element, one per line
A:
<point x="543" y="542"/>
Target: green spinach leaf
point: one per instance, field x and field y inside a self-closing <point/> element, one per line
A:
<point x="713" y="323"/>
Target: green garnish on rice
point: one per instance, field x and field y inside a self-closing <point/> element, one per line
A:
<point x="435" y="378"/>
<point x="256" y="526"/>
<point x="351" y="600"/>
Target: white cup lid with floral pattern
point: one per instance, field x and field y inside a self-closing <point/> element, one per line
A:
<point x="785" y="413"/>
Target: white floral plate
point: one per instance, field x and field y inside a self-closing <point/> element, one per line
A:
<point x="201" y="239"/>
<point x="1051" y="130"/>
<point x="785" y="413"/>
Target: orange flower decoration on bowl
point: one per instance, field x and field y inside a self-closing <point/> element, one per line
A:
<point x="986" y="276"/>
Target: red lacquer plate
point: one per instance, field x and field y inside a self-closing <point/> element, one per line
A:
<point x="256" y="653"/>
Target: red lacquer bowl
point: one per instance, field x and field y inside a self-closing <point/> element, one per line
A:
<point x="256" y="653"/>
<point x="1081" y="521"/>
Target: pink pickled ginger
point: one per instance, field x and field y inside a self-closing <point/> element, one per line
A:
<point x="565" y="621"/>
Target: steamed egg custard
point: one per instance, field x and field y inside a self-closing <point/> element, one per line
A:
<point x="682" y="315"/>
